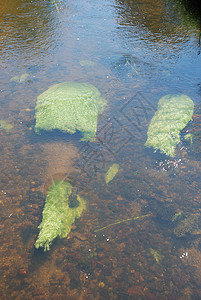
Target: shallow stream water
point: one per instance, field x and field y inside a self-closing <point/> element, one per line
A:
<point x="134" y="52"/>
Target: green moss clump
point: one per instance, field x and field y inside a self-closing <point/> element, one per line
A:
<point x="111" y="173"/>
<point x="58" y="217"/>
<point x="173" y="114"/>
<point x="70" y="106"/>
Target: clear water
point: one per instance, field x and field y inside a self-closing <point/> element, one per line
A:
<point x="134" y="52"/>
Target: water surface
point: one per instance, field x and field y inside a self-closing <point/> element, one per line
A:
<point x="134" y="52"/>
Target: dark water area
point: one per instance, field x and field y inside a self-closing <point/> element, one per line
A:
<point x="140" y="236"/>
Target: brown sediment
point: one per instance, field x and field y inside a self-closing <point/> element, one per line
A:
<point x="60" y="158"/>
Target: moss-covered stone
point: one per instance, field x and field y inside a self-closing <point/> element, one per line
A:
<point x="190" y="225"/>
<point x="173" y="114"/>
<point x="70" y="106"/>
<point x="57" y="215"/>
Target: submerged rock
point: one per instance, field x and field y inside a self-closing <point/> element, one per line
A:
<point x="70" y="106"/>
<point x="173" y="114"/>
<point x="191" y="225"/>
<point x="125" y="66"/>
<point x="165" y="214"/>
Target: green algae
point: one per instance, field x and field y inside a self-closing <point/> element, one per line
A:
<point x="189" y="137"/>
<point x="122" y="221"/>
<point x="173" y="114"/>
<point x="111" y="173"/>
<point x="58" y="217"/>
<point x="5" y="125"/>
<point x="70" y="106"/>
<point x="177" y="216"/>
<point x="157" y="256"/>
<point x="19" y="78"/>
<point x="86" y="62"/>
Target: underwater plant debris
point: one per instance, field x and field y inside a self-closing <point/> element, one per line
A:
<point x="111" y="173"/>
<point x="70" y="106"/>
<point x="173" y="114"/>
<point x="57" y="215"/>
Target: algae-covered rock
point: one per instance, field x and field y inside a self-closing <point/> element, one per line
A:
<point x="5" y="125"/>
<point x="70" y="106"/>
<point x="111" y="173"/>
<point x="190" y="225"/>
<point x="57" y="215"/>
<point x="173" y="114"/>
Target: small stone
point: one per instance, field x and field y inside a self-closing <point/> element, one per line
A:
<point x="101" y="284"/>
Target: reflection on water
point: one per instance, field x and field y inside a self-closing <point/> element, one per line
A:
<point x="148" y="17"/>
<point x="140" y="235"/>
<point x="29" y="31"/>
